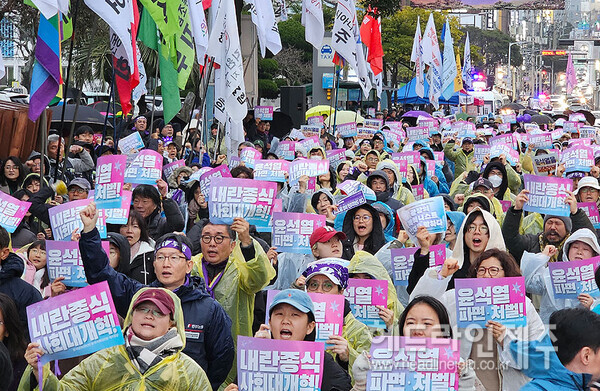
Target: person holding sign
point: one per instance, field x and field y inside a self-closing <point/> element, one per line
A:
<point x="579" y="246"/>
<point x="150" y="202"/>
<point x="292" y="318"/>
<point x="213" y="348"/>
<point x="461" y="157"/>
<point x="556" y="228"/>
<point x="504" y="374"/>
<point x="155" y="336"/>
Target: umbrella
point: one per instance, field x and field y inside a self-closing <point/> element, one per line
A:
<point x="541" y="119"/>
<point x="513" y="106"/>
<point x="589" y="117"/>
<point x="281" y="124"/>
<point x="85" y="116"/>
<point x="416" y="114"/>
<point x="320" y="110"/>
<point x="344" y="117"/>
<point x="103" y="108"/>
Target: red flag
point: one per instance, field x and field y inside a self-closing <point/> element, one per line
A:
<point x="370" y="35"/>
<point x="206" y="4"/>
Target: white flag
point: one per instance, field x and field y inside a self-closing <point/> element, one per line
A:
<point x="281" y="14"/>
<point x="140" y="89"/>
<point x="119" y="17"/>
<point x="49" y="8"/>
<point x="263" y="18"/>
<point x="432" y="57"/>
<point x="466" y="71"/>
<point x="418" y="60"/>
<point x="199" y="28"/>
<point x="312" y="20"/>
<point x="345" y="40"/>
<point x="449" y="65"/>
<point x="224" y="46"/>
<point x="234" y="135"/>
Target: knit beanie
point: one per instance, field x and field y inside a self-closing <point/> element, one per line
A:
<point x="565" y="219"/>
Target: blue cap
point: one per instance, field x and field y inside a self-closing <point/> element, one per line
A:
<point x="294" y="297"/>
<point x="456" y="218"/>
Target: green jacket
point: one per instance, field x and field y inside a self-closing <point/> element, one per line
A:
<point x="462" y="161"/>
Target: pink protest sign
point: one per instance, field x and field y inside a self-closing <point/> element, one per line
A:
<point x="504" y="127"/>
<point x="591" y="210"/>
<point x="169" y="168"/>
<point x="310" y="130"/>
<point x="291" y="231"/>
<point x="145" y="169"/>
<point x="430" y="124"/>
<point x="249" y="155"/>
<point x="207" y="177"/>
<point x="271" y="170"/>
<point x="263" y="112"/>
<point x="286" y="150"/>
<point x="268" y="364"/>
<point x="120" y="215"/>
<point x="570" y="279"/>
<point x="577" y="117"/>
<point x="336" y="156"/>
<point x="438" y="156"/>
<point x="64" y="218"/>
<point x="315" y="120"/>
<point x="499" y="299"/>
<point x="412" y="363"/>
<point x="64" y="260"/>
<point x="12" y="211"/>
<point x="364" y="296"/>
<point x="412" y="157"/>
<point x="417" y="133"/>
<point x="571" y="127"/>
<point x="430" y="164"/>
<point x="503" y="139"/>
<point x="541" y="140"/>
<point x="578" y="158"/>
<point x="310" y="143"/>
<point x="247" y="198"/>
<point x="308" y="167"/>
<point x="234" y="161"/>
<point x="75" y="323"/>
<point x="402" y="263"/>
<point x="437" y="255"/>
<point x="110" y="174"/>
<point x="547" y="194"/>
<point x="505" y="205"/>
<point x="418" y="192"/>
<point x="346" y="130"/>
<point x="509" y="118"/>
<point x="329" y="313"/>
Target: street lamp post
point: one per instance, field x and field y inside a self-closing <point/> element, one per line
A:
<point x="510" y="83"/>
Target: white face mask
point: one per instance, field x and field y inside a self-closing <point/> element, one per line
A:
<point x="316" y="157"/>
<point x="496" y="180"/>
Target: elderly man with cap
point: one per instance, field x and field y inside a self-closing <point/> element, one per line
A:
<point x="155" y="335"/>
<point x="78" y="189"/>
<point x="207" y="326"/>
<point x="330" y="276"/>
<point x="461" y="157"/>
<point x="556" y="228"/>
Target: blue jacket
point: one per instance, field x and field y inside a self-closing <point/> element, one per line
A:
<point x="11" y="284"/>
<point x="545" y="369"/>
<point x="207" y="326"/>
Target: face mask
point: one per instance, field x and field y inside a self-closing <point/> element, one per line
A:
<point x="496" y="180"/>
<point x="316" y="157"/>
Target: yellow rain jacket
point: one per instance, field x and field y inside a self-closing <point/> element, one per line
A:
<point x="358" y="336"/>
<point x="235" y="291"/>
<point x="112" y="369"/>
<point x="363" y="262"/>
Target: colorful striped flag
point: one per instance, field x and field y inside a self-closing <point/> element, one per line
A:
<point x="46" y="79"/>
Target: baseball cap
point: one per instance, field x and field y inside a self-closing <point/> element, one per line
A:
<point x="294" y="297"/>
<point x="323" y="234"/>
<point x="80" y="182"/>
<point x="467" y="140"/>
<point x="483" y="182"/>
<point x="335" y="269"/>
<point x="588" y="181"/>
<point x="159" y="297"/>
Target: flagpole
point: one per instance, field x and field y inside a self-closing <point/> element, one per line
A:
<point x="337" y="89"/>
<point x="154" y="91"/>
<point x="110" y="97"/>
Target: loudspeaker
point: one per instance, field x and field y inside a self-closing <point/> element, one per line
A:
<point x="293" y="103"/>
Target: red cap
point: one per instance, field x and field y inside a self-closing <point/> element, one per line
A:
<point x="323" y="234"/>
<point x="158" y="296"/>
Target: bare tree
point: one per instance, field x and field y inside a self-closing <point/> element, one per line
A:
<point x="293" y="67"/>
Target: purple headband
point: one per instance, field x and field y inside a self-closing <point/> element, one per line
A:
<point x="337" y="273"/>
<point x="172" y="243"/>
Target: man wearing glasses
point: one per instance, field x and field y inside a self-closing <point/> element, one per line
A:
<point x="234" y="271"/>
<point x="209" y="340"/>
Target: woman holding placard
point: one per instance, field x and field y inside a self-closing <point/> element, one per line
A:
<point x="494" y="366"/>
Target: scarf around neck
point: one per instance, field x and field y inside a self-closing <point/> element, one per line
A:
<point x="146" y="354"/>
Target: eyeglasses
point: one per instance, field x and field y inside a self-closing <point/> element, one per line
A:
<point x="76" y="190"/>
<point x="218" y="238"/>
<point x="372" y="159"/>
<point x="11" y="168"/>
<point x="326" y="286"/>
<point x="493" y="270"/>
<point x="146" y="311"/>
<point x="362" y="218"/>
<point x="37" y="251"/>
<point x="588" y="190"/>
<point x="482" y="228"/>
<point x="170" y="258"/>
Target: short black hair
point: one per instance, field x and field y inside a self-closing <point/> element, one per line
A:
<point x="4" y="238"/>
<point x="237" y="171"/>
<point x="176" y="237"/>
<point x="147" y="191"/>
<point x="214" y="126"/>
<point x="575" y="329"/>
<point x="83" y="129"/>
<point x="436" y="305"/>
<point x="203" y="223"/>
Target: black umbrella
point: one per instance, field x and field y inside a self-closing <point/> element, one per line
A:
<point x="102" y="107"/>
<point x="513" y="106"/>
<point x="85" y="116"/>
<point x="541" y="119"/>
<point x="281" y="124"/>
<point x="589" y="117"/>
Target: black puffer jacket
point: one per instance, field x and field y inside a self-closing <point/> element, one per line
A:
<point x="171" y="222"/>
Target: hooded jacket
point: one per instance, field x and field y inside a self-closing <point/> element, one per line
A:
<point x="112" y="369"/>
<point x="390" y="228"/>
<point x="363" y="262"/>
<point x="537" y="275"/>
<point x="207" y="325"/>
<point x="385" y="196"/>
<point x="124" y="251"/>
<point x="375" y="240"/>
<point x="428" y="184"/>
<point x="11" y="284"/>
<point x="533" y="243"/>
<point x="545" y="369"/>
<point x="141" y="265"/>
<point x="502" y="190"/>
<point x="390" y="165"/>
<point x="442" y="171"/>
